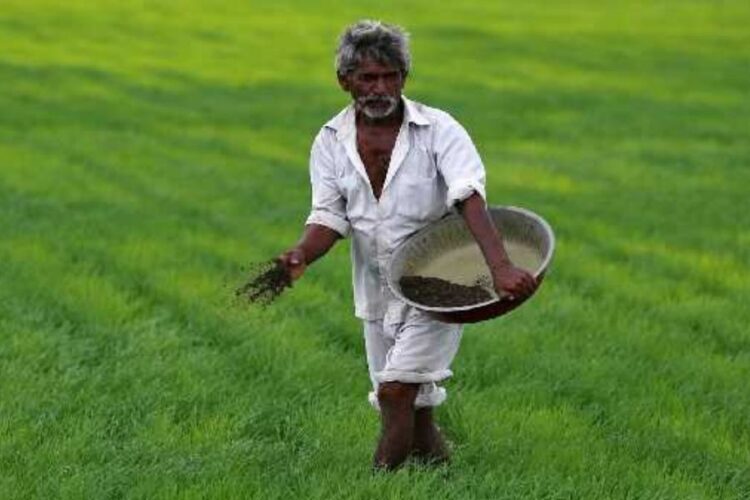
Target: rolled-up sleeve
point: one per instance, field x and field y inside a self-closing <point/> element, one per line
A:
<point x="459" y="162"/>
<point x="328" y="204"/>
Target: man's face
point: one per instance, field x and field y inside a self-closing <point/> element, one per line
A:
<point x="376" y="88"/>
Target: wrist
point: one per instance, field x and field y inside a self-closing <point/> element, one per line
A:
<point x="302" y="254"/>
<point x="500" y="262"/>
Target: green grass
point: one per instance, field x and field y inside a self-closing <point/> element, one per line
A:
<point x="148" y="151"/>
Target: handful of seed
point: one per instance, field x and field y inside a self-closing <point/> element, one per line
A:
<point x="436" y="292"/>
<point x="266" y="281"/>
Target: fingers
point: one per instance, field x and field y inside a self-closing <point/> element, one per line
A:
<point x="528" y="284"/>
<point x="521" y="285"/>
<point x="294" y="262"/>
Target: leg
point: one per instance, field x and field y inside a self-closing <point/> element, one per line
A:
<point x="396" y="401"/>
<point x="421" y="355"/>
<point x="429" y="445"/>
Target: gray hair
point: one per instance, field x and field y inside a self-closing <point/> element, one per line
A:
<point x="385" y="43"/>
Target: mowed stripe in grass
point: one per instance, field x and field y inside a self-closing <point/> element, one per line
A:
<point x="146" y="153"/>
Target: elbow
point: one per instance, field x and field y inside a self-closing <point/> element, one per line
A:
<point x="471" y="203"/>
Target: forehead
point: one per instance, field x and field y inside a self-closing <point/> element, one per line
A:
<point x="370" y="65"/>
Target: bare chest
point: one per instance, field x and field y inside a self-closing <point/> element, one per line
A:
<point x="375" y="149"/>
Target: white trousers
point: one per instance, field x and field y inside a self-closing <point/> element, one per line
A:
<point x="412" y="347"/>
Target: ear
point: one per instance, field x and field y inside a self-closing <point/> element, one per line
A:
<point x="343" y="82"/>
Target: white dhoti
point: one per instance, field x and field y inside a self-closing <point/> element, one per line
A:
<point x="409" y="346"/>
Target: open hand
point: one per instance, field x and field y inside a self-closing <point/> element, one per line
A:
<point x="513" y="282"/>
<point x="294" y="262"/>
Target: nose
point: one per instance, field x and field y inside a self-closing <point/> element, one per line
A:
<point x="380" y="86"/>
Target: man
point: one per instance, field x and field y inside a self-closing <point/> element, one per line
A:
<point x="381" y="169"/>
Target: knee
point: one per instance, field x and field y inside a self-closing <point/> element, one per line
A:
<point x="397" y="394"/>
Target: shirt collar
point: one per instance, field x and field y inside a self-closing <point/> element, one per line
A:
<point x="343" y="123"/>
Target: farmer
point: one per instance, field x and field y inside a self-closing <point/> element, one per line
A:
<point x="381" y="169"/>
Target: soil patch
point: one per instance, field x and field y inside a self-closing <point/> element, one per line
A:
<point x="435" y="292"/>
<point x="265" y="282"/>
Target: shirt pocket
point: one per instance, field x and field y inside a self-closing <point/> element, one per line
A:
<point x="419" y="187"/>
<point x="419" y="163"/>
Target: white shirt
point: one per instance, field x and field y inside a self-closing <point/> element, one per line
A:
<point x="434" y="164"/>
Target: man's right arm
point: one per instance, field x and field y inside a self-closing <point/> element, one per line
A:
<point x="328" y="221"/>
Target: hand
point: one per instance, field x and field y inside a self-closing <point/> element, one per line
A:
<point x="294" y="262"/>
<point x="512" y="281"/>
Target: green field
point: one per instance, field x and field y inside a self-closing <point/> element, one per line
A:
<point x="148" y="150"/>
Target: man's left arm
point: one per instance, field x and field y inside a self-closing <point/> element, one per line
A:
<point x="461" y="167"/>
<point x="505" y="276"/>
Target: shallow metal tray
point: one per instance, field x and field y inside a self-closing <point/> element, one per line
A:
<point x="447" y="250"/>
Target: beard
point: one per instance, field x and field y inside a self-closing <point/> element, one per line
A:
<point x="377" y="107"/>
